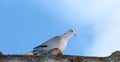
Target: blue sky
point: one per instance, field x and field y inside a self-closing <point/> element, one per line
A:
<point x="25" y="24"/>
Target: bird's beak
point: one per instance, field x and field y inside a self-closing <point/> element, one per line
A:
<point x="74" y="34"/>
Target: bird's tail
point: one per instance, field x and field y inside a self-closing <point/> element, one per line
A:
<point x="29" y="53"/>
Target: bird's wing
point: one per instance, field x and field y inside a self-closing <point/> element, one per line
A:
<point x="47" y="43"/>
<point x="40" y="46"/>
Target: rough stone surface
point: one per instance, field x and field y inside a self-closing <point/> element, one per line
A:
<point x="115" y="57"/>
<point x="1" y="53"/>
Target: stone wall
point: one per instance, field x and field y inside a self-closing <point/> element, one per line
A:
<point x="114" y="57"/>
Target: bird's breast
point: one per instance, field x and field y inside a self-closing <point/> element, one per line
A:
<point x="62" y="44"/>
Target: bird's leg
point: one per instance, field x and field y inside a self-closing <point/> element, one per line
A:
<point x="55" y="52"/>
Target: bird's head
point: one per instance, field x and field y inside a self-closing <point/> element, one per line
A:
<point x="70" y="33"/>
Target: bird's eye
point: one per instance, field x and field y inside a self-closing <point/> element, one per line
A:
<point x="71" y="30"/>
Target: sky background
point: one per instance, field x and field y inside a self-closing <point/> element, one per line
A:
<point x="25" y="24"/>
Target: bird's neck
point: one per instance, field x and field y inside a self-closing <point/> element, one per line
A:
<point x="67" y="37"/>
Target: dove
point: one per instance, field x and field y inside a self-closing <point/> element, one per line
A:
<point x="59" y="42"/>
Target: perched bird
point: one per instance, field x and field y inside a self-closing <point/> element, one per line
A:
<point x="55" y="42"/>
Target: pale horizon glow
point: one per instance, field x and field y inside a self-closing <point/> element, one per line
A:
<point x="105" y="17"/>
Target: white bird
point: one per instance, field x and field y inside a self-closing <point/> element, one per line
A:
<point x="55" y="42"/>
